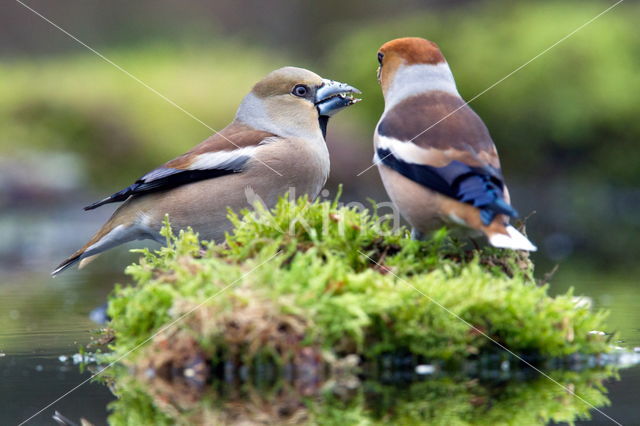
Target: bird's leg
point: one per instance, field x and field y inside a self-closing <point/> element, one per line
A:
<point x="417" y="235"/>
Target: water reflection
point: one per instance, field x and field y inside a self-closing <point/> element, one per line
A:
<point x="478" y="394"/>
<point x="29" y="383"/>
<point x="398" y="396"/>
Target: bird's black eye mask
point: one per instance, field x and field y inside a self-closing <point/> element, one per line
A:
<point x="379" y="70"/>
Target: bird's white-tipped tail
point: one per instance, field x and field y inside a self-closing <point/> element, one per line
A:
<point x="515" y="240"/>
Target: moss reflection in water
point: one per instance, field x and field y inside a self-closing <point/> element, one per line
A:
<point x="439" y="400"/>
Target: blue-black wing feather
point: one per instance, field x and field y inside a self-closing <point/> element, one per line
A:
<point x="482" y="187"/>
<point x="164" y="178"/>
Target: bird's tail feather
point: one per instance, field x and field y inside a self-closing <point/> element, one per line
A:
<point x="98" y="203"/>
<point x="108" y="236"/>
<point x="68" y="262"/>
<point x="511" y="239"/>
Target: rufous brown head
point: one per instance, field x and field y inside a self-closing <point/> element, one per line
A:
<point x="405" y="51"/>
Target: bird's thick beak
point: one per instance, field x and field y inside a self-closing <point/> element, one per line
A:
<point x="332" y="96"/>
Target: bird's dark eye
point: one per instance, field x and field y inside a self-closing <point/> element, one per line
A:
<point x="300" y="90"/>
<point x="380" y="56"/>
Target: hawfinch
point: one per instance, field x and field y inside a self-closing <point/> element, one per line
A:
<point x="435" y="155"/>
<point x="274" y="145"/>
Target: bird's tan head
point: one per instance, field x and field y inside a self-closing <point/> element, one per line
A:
<point x="402" y="52"/>
<point x="282" y="81"/>
<point x="294" y="101"/>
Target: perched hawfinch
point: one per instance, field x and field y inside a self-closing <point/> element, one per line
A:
<point x="435" y="155"/>
<point x="274" y="145"/>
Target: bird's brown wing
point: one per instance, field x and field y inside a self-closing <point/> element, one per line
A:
<point x="437" y="141"/>
<point x="439" y="121"/>
<point x="223" y="153"/>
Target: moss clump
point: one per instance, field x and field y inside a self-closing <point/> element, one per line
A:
<point x="340" y="281"/>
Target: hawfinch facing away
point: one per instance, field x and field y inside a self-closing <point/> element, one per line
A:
<point x="435" y="155"/>
<point x="275" y="144"/>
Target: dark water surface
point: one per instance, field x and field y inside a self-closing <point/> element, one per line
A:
<point x="44" y="320"/>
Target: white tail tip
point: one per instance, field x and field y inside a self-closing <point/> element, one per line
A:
<point x="515" y="240"/>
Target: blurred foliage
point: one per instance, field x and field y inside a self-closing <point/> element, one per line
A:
<point x="571" y="112"/>
<point x="119" y="127"/>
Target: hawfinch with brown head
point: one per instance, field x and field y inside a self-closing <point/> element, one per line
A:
<point x="435" y="155"/>
<point x="275" y="144"/>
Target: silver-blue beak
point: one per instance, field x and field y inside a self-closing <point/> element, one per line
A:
<point x="333" y="96"/>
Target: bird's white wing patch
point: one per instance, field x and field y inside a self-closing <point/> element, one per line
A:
<point x="405" y="151"/>
<point x="412" y="153"/>
<point x="222" y="159"/>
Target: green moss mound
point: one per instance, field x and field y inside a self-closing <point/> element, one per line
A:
<point x="339" y="280"/>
